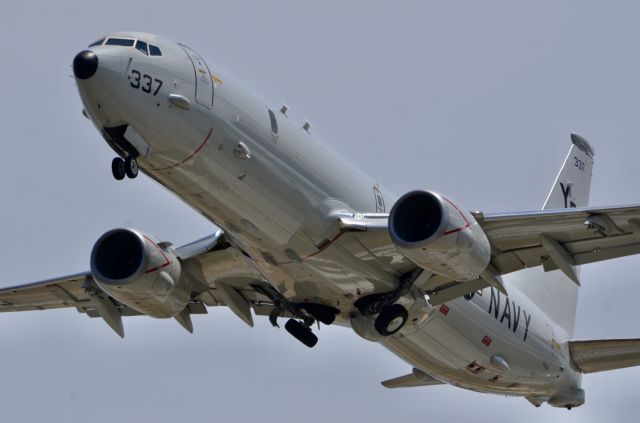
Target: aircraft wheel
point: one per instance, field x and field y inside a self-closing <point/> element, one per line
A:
<point x="117" y="168"/>
<point x="301" y="333"/>
<point x="391" y="320"/>
<point x="131" y="167"/>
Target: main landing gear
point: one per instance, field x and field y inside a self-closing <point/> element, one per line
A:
<point x="301" y="332"/>
<point x="391" y="316"/>
<point x="304" y="315"/>
<point x="391" y="319"/>
<point x="309" y="313"/>
<point x="127" y="167"/>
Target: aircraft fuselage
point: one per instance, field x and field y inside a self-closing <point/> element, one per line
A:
<point x="276" y="191"/>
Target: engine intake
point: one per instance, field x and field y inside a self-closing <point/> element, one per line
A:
<point x="135" y="270"/>
<point x="439" y="236"/>
<point x="118" y="256"/>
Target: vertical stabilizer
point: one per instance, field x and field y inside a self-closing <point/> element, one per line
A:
<point x="573" y="183"/>
<point x="554" y="292"/>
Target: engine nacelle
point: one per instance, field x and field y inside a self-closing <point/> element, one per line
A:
<point x="439" y="236"/>
<point x="135" y="270"/>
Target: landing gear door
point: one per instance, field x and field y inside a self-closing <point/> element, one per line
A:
<point x="204" y="83"/>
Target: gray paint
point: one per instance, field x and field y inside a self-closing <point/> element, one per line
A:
<point x="491" y="90"/>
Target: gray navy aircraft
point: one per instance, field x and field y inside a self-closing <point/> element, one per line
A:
<point x="481" y="301"/>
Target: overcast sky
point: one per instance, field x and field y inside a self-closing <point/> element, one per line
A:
<point x="473" y="99"/>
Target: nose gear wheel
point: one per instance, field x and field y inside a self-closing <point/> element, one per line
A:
<point x="127" y="167"/>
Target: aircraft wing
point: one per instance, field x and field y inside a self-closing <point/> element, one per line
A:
<point x="554" y="239"/>
<point x="221" y="275"/>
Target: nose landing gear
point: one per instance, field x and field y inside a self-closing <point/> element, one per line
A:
<point x="127" y="167"/>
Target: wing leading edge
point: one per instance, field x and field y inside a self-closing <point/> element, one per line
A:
<point x="220" y="275"/>
<point x="554" y="239"/>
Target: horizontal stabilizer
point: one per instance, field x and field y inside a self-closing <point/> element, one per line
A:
<point x="417" y="378"/>
<point x="605" y="354"/>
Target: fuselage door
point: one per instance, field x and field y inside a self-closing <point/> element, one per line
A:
<point x="204" y="83"/>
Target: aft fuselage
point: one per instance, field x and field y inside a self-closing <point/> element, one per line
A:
<point x="277" y="192"/>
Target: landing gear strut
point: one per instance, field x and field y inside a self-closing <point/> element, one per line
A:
<point x="127" y="167"/>
<point x="391" y="316"/>
<point x="304" y="315"/>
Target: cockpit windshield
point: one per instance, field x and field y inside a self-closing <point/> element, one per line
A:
<point x="155" y="51"/>
<point x="119" y="42"/>
<point x="142" y="46"/>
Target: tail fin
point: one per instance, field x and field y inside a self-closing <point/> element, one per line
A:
<point x="554" y="292"/>
<point x="573" y="183"/>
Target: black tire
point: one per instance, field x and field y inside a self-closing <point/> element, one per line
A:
<point x="117" y="169"/>
<point x="131" y="167"/>
<point x="391" y="320"/>
<point x="301" y="333"/>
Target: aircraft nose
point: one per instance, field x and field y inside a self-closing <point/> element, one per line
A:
<point x="85" y="64"/>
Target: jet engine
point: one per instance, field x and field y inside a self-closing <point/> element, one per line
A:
<point x="439" y="236"/>
<point x="138" y="271"/>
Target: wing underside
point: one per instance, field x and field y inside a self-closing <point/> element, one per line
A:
<point x="553" y="239"/>
<point x="220" y="274"/>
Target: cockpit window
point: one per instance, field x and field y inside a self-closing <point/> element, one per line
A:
<point x="145" y="48"/>
<point x="97" y="43"/>
<point x="119" y="42"/>
<point x="142" y="46"/>
<point x="155" y="51"/>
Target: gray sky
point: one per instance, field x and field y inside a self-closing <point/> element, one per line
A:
<point x="473" y="99"/>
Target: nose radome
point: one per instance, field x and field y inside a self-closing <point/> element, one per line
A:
<point x="85" y="64"/>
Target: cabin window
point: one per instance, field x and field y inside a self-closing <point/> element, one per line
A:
<point x="154" y="51"/>
<point x="120" y="42"/>
<point x="274" y="122"/>
<point x="142" y="46"/>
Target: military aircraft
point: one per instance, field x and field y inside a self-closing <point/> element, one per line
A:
<point x="481" y="301"/>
